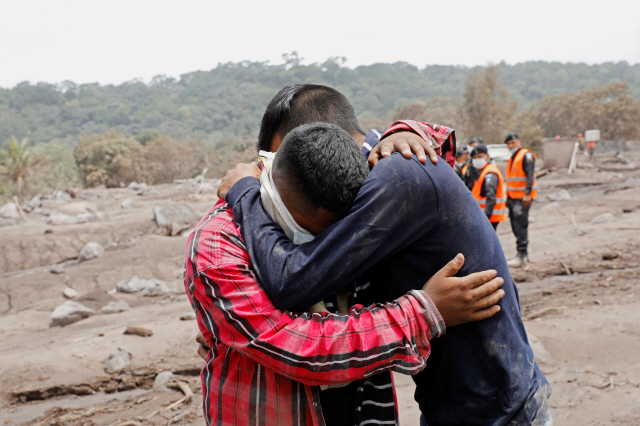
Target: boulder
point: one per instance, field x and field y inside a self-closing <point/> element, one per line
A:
<point x="117" y="362"/>
<point x="604" y="218"/>
<point x="562" y="195"/>
<point x="138" y="331"/>
<point x="90" y="251"/>
<point x="96" y="299"/>
<point x="129" y="202"/>
<point x="62" y="197"/>
<point x="150" y="287"/>
<point x="9" y="211"/>
<point x="69" y="293"/>
<point x="68" y="313"/>
<point x="58" y="268"/>
<point x="172" y="219"/>
<point x="135" y="186"/>
<point x="115" y="306"/>
<point x="162" y="380"/>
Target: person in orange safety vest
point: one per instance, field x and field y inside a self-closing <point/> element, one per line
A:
<point x="521" y="191"/>
<point x="488" y="189"/>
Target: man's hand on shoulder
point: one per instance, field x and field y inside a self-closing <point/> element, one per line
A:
<point x="466" y="299"/>
<point x="406" y="143"/>
<point x="240" y="171"/>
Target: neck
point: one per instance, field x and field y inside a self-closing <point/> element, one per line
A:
<point x="359" y="138"/>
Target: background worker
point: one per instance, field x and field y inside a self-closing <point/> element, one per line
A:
<point x="462" y="156"/>
<point x="475" y="141"/>
<point x="488" y="189"/>
<point x="471" y="174"/>
<point x="521" y="191"/>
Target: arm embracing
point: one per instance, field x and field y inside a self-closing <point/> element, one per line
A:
<point x="396" y="205"/>
<point x="315" y="348"/>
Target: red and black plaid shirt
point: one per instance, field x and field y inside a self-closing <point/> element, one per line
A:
<point x="265" y="365"/>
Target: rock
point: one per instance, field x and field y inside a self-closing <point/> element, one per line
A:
<point x="162" y="380"/>
<point x="77" y="208"/>
<point x="158" y="288"/>
<point x="59" y="218"/>
<point x="129" y="202"/>
<point x="57" y="268"/>
<point x="48" y="231"/>
<point x="540" y="353"/>
<point x="2" y="223"/>
<point x="68" y="313"/>
<point x="207" y="187"/>
<point x="562" y="195"/>
<point x="138" y="331"/>
<point x="135" y="186"/>
<point x="188" y="317"/>
<point x="609" y="255"/>
<point x="115" y="306"/>
<point x="117" y="362"/>
<point x="62" y="197"/>
<point x="35" y="202"/>
<point x="96" y="299"/>
<point x="604" y="218"/>
<point x="90" y="251"/>
<point x="150" y="287"/>
<point x="9" y="211"/>
<point x="550" y="206"/>
<point x="172" y="219"/>
<point x="69" y="293"/>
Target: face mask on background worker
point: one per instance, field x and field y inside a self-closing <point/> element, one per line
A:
<point x="514" y="150"/>
<point x="479" y="163"/>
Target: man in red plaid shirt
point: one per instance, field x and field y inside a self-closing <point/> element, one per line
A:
<point x="264" y="366"/>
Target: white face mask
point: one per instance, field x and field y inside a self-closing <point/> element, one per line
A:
<point x="514" y="150"/>
<point x="275" y="207"/>
<point x="460" y="163"/>
<point x="479" y="163"/>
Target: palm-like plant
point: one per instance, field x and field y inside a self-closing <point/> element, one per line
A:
<point x="18" y="161"/>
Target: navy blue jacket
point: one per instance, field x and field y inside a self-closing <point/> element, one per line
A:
<point x="408" y="221"/>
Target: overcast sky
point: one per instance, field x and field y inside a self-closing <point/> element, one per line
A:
<point x="116" y="41"/>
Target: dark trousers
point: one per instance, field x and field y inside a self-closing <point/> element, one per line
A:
<point x="495" y="225"/>
<point x="519" y="217"/>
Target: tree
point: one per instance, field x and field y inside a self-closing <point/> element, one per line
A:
<point x="107" y="159"/>
<point x="487" y="108"/>
<point x="18" y="161"/>
<point x="611" y="109"/>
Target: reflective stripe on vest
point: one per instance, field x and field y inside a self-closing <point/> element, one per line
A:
<point x="517" y="178"/>
<point x="499" y="209"/>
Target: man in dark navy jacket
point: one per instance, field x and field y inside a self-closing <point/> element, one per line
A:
<point x="409" y="219"/>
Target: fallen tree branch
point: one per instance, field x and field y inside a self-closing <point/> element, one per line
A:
<point x="541" y="312"/>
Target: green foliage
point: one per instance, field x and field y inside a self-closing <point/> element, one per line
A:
<point x="165" y="159"/>
<point x="17" y="162"/>
<point x="227" y="102"/>
<point x="107" y="159"/>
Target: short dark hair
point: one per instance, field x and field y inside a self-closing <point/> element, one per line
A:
<point x="476" y="139"/>
<point x="512" y="136"/>
<point x="480" y="149"/>
<point x="324" y="164"/>
<point x="298" y="104"/>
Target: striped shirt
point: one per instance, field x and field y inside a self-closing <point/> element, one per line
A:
<point x="265" y="366"/>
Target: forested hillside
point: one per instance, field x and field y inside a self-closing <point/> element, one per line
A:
<point x="227" y="102"/>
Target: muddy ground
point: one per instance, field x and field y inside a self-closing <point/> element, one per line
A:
<point x="580" y="297"/>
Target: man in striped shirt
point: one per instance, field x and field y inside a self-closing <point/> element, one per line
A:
<point x="264" y="365"/>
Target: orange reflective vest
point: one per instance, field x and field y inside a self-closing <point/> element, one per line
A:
<point x="498" y="214"/>
<point x="517" y="178"/>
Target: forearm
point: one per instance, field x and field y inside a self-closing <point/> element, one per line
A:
<point x="529" y="168"/>
<point x="317" y="348"/>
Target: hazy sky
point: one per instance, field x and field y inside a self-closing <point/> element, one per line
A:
<point x="115" y="41"/>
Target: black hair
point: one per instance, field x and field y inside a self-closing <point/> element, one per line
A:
<point x="480" y="149"/>
<point x="298" y="104"/>
<point x="476" y="139"/>
<point x="511" y="136"/>
<point x="324" y="164"/>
